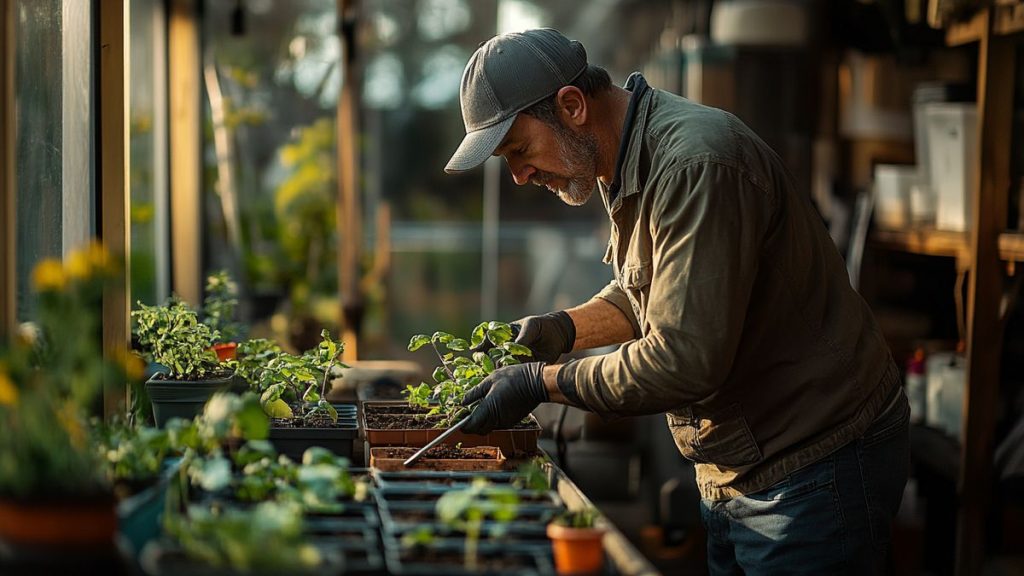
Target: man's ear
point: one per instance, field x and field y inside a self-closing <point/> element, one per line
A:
<point x="572" y="106"/>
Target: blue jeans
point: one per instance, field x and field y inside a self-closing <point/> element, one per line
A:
<point x="831" y="517"/>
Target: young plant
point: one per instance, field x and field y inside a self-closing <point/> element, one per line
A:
<point x="132" y="455"/>
<point x="253" y="356"/>
<point x="584" y="518"/>
<point x="172" y="336"/>
<point x="461" y="367"/>
<point x="304" y="380"/>
<point x="220" y="304"/>
<point x="266" y="538"/>
<point x="466" y="510"/>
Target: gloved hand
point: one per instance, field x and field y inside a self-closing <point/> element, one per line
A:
<point x="509" y="394"/>
<point x="548" y="335"/>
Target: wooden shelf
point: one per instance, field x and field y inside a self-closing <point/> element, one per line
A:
<point x="929" y="242"/>
<point x="960" y="33"/>
<point x="1011" y="246"/>
<point x="1007" y="19"/>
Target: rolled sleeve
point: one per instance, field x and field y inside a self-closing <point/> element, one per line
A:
<point x="707" y="222"/>
<point x="613" y="294"/>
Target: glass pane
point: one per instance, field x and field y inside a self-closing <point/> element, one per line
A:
<point x="38" y="108"/>
<point x="148" y="170"/>
<point x="271" y="78"/>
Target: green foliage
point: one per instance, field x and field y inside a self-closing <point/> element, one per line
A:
<point x="467" y="509"/>
<point x="320" y="484"/>
<point x="461" y="369"/>
<point x="172" y="336"/>
<point x="284" y="379"/>
<point x="266" y="538"/>
<point x="220" y="304"/>
<point x="584" y="518"/>
<point x="130" y="453"/>
<point x="533" y="475"/>
<point x="51" y="376"/>
<point x="252" y="356"/>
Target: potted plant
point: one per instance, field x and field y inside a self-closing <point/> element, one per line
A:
<point x="264" y="539"/>
<point x="430" y="408"/>
<point x="219" y="307"/>
<point x="293" y="392"/>
<point x="56" y="505"/>
<point x="136" y="462"/>
<point x="173" y="337"/>
<point x="577" y="542"/>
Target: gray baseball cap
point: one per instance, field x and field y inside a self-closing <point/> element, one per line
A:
<point x="506" y="75"/>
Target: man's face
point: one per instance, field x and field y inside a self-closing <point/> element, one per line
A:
<point x="556" y="157"/>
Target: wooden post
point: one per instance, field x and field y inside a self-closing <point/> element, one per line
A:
<point x="112" y="129"/>
<point x="8" y="253"/>
<point x="183" y="67"/>
<point x="985" y="291"/>
<point x="348" y="207"/>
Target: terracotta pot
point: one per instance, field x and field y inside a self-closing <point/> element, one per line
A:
<point x="58" y="523"/>
<point x="578" y="551"/>
<point x="226" y="351"/>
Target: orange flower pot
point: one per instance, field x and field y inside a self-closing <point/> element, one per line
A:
<point x="578" y="551"/>
<point x="226" y="351"/>
<point x="67" y="523"/>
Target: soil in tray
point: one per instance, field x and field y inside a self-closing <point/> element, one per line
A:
<point x="318" y="420"/>
<point x="440" y="453"/>
<point x="413" y="419"/>
<point x="484" y="563"/>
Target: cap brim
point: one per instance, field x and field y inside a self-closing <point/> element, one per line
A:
<point x="478" y="146"/>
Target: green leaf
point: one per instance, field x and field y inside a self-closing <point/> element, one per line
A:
<point x="507" y="360"/>
<point x="479" y="334"/>
<point x="458" y="344"/>
<point x="272" y="393"/>
<point x="442" y="337"/>
<point x="499" y="337"/>
<point x="440" y="375"/>
<point x="418" y="341"/>
<point x="484" y="361"/>
<point x="278" y="409"/>
<point x="517" y="349"/>
<point x="330" y="409"/>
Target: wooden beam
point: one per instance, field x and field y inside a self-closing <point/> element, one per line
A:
<point x="984" y="328"/>
<point x="112" y="129"/>
<point x="185" y="155"/>
<point x="348" y="206"/>
<point x="8" y="141"/>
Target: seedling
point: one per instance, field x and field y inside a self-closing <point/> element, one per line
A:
<point x="300" y="379"/>
<point x="220" y="304"/>
<point x="466" y="510"/>
<point x="461" y="367"/>
<point x="172" y="336"/>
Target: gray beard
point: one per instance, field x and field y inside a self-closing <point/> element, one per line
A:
<point x="578" y="151"/>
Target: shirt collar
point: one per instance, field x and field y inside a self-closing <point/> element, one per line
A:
<point x="637" y="86"/>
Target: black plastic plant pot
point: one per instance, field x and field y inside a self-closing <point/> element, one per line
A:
<point x="358" y="542"/>
<point x="293" y="441"/>
<point x="139" y="515"/>
<point x="183" y="398"/>
<point x="166" y="558"/>
<point x="447" y="557"/>
<point x="402" y="517"/>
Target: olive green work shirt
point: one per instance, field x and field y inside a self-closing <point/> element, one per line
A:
<point x="747" y="331"/>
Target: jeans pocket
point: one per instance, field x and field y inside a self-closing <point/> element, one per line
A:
<point x="894" y="421"/>
<point x="803" y="483"/>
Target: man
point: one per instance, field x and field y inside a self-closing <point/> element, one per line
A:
<point x="732" y="305"/>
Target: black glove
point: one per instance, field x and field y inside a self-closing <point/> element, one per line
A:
<point x="509" y="394"/>
<point x="548" y="335"/>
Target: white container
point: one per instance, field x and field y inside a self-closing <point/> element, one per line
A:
<point x="946" y="374"/>
<point x="893" y="185"/>
<point x="952" y="143"/>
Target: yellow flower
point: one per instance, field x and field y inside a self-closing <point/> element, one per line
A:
<point x="78" y="265"/>
<point x="133" y="366"/>
<point x="99" y="257"/>
<point x="8" y="392"/>
<point x="48" y="275"/>
<point x="69" y="419"/>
